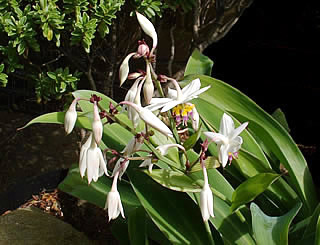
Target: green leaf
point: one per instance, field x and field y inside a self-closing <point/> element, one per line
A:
<point x="312" y="223"/>
<point x="173" y="212"/>
<point x="192" y="140"/>
<point x="198" y="64"/>
<point x="174" y="180"/>
<point x="271" y="230"/>
<point x="281" y="118"/>
<point x="58" y="118"/>
<point x="210" y="162"/>
<point x="317" y="239"/>
<point x="137" y="227"/>
<point x="251" y="188"/>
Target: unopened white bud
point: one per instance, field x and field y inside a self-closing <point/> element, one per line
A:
<point x="148" y="28"/>
<point x="124" y="69"/>
<point x="70" y="117"/>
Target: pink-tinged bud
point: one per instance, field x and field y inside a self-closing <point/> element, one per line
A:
<point x="97" y="127"/>
<point x="148" y="87"/>
<point x="124" y="69"/>
<point x="70" y="117"/>
<point x="143" y="50"/>
<point x="148" y="28"/>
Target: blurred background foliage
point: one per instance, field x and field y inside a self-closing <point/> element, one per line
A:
<point x="53" y="47"/>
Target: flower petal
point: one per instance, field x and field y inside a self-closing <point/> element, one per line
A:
<point x="234" y="133"/>
<point x="216" y="137"/>
<point x="170" y="105"/>
<point x="226" y="125"/>
<point x="223" y="155"/>
<point x="192" y="87"/>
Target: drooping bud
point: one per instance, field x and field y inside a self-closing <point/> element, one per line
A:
<point x="148" y="87"/>
<point x="124" y="69"/>
<point x="97" y="127"/>
<point x="70" y="117"/>
<point x="148" y="28"/>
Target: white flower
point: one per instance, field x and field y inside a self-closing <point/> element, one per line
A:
<point x="163" y="149"/>
<point x="70" y="117"/>
<point x="124" y="69"/>
<point x="228" y="139"/>
<point x="91" y="159"/>
<point x="178" y="96"/>
<point x="148" y="28"/>
<point x="206" y="199"/>
<point x="83" y="156"/>
<point x="149" y="118"/>
<point x="97" y="127"/>
<point x="113" y="202"/>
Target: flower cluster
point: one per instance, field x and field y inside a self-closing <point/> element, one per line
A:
<point x="175" y="110"/>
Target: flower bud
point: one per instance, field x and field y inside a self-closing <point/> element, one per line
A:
<point x="148" y="28"/>
<point x="97" y="127"/>
<point x="124" y="69"/>
<point x="195" y="119"/>
<point x="148" y="87"/>
<point x="143" y="50"/>
<point x="70" y="117"/>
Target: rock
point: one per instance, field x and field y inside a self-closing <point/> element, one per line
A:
<point x="31" y="226"/>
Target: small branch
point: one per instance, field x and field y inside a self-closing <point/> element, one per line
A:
<point x="54" y="60"/>
<point x="89" y="75"/>
<point x="172" y="50"/>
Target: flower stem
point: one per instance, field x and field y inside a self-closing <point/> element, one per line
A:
<point x="208" y="230"/>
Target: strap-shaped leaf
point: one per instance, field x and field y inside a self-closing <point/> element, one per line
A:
<point x="251" y="188"/>
<point x="271" y="230"/>
<point x="173" y="212"/>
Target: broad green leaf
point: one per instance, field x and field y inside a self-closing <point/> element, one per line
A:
<point x="173" y="212"/>
<point x="279" y="192"/>
<point x="251" y="188"/>
<point x="177" y="181"/>
<point x="198" y="64"/>
<point x="264" y="126"/>
<point x="58" y="118"/>
<point x="137" y="227"/>
<point x="271" y="230"/>
<point x="96" y="192"/>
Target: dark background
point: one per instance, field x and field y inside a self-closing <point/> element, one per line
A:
<point x="272" y="55"/>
